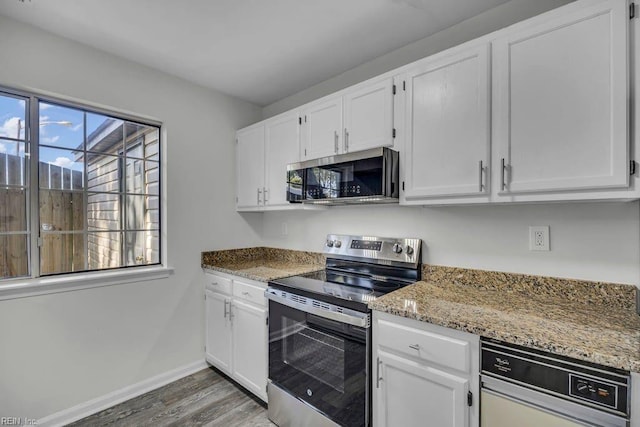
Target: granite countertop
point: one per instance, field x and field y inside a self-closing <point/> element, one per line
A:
<point x="590" y="321"/>
<point x="263" y="264"/>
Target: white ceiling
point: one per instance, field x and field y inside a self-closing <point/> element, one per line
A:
<point x="257" y="50"/>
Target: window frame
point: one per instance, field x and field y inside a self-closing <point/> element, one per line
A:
<point x="11" y="287"/>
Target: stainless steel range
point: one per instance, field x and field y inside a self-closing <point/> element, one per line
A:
<point x="319" y="330"/>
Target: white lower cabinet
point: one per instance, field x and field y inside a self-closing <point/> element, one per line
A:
<point x="236" y="330"/>
<point x="218" y="330"/>
<point x="424" y="373"/>
<point x="249" y="351"/>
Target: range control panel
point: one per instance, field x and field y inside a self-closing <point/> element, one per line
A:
<point x="593" y="391"/>
<point x="376" y="249"/>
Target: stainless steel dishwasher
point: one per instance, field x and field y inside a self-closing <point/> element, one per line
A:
<point x="526" y="388"/>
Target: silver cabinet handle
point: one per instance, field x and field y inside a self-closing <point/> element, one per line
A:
<point x="230" y="311"/>
<point x="225" y="307"/>
<point x="346" y="140"/>
<point x="246" y="294"/>
<point x="415" y="347"/>
<point x="378" y="362"/>
<point x="335" y="140"/>
<point x="264" y="190"/>
<point x="481" y="172"/>
<point x="259" y="193"/>
<point x="503" y="180"/>
<point x="215" y="283"/>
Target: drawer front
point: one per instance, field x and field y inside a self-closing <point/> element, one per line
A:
<point x="428" y="346"/>
<point x="218" y="283"/>
<point x="249" y="292"/>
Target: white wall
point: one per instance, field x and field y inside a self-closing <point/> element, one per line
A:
<point x="593" y="241"/>
<point x="64" y="349"/>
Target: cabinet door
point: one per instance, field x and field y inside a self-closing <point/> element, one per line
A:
<point x="322" y="129"/>
<point x="368" y="117"/>
<point x="250" y="166"/>
<point x="282" y="146"/>
<point x="408" y="393"/>
<point x="218" y="331"/>
<point x="448" y="125"/>
<point x="250" y="347"/>
<point x="561" y="101"/>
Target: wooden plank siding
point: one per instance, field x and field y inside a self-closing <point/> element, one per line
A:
<point x="106" y="211"/>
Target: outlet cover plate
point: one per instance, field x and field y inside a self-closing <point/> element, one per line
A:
<point x="539" y="238"/>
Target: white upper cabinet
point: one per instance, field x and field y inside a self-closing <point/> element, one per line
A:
<point x="447" y="125"/>
<point x="368" y="117"/>
<point x="356" y="119"/>
<point x="262" y="154"/>
<point x="250" y="166"/>
<point x="535" y="112"/>
<point x="282" y="146"/>
<point x="322" y="128"/>
<point x="561" y="101"/>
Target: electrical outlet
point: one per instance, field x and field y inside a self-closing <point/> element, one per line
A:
<point x="539" y="238"/>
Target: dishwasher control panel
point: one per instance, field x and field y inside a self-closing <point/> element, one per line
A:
<point x="594" y="391"/>
<point x="560" y="376"/>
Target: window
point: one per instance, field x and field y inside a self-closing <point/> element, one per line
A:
<point x="96" y="204"/>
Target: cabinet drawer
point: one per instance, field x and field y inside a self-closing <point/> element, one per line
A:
<point x="218" y="283"/>
<point x="431" y="347"/>
<point x="249" y="292"/>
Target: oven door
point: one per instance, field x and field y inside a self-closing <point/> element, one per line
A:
<point x="321" y="361"/>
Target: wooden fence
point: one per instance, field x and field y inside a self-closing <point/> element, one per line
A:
<point x="61" y="212"/>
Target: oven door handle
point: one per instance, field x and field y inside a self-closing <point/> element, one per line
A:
<point x="348" y="316"/>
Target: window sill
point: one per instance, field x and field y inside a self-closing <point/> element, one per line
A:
<point x="72" y="282"/>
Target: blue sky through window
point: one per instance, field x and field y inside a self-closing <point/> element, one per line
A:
<point x="61" y="128"/>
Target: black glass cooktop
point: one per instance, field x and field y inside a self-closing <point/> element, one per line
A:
<point x="349" y="290"/>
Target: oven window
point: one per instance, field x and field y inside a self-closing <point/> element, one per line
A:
<point x="315" y="353"/>
<point x="320" y="361"/>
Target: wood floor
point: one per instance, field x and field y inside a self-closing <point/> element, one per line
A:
<point x="206" y="398"/>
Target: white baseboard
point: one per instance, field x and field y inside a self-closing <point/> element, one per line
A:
<point x="115" y="397"/>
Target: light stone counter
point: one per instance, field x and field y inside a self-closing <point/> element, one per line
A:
<point x="262" y="264"/>
<point x="595" y="322"/>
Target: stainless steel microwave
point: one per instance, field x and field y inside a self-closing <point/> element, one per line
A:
<point x="370" y="176"/>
